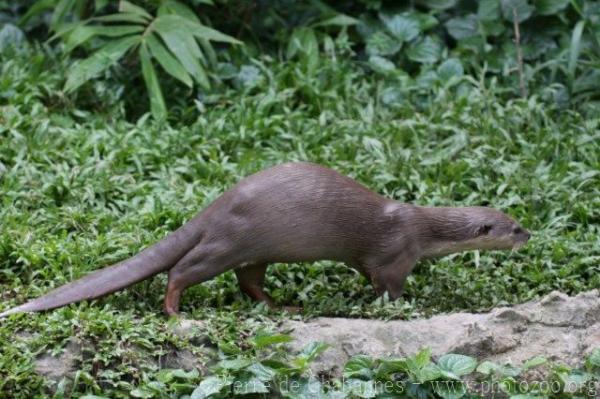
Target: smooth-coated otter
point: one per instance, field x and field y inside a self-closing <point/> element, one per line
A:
<point x="297" y="212"/>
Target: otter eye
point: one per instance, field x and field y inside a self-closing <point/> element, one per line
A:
<point x="517" y="230"/>
<point x="484" y="229"/>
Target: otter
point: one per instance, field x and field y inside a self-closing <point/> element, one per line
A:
<point x="297" y="212"/>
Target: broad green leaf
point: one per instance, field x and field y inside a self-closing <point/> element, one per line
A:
<point x="142" y="393"/>
<point x="278" y="365"/>
<point x="510" y="370"/>
<point x="302" y="40"/>
<point x="425" y="51"/>
<point x="185" y="375"/>
<point x="450" y="68"/>
<point x="360" y="388"/>
<point x="176" y="22"/>
<point x="310" y="388"/>
<point x="488" y="367"/>
<point x="165" y="375"/>
<point x="127" y="7"/>
<point x="157" y="103"/>
<point x="449" y="389"/>
<point x="367" y="26"/>
<point x="534" y="362"/>
<point x="593" y="359"/>
<point x="304" y="43"/>
<point x="438" y="4"/>
<point x="454" y="366"/>
<point x="391" y="366"/>
<point x="103" y="58"/>
<point x="586" y="82"/>
<point x="261" y="371"/>
<point x="169" y="63"/>
<point x="338" y="20"/>
<point x="121" y="17"/>
<point x="249" y="76"/>
<point x="463" y="27"/>
<point x="11" y="36"/>
<point x="229" y="348"/>
<point x="381" y="65"/>
<point x="204" y="32"/>
<point x="234" y="364"/>
<point x="170" y="28"/>
<point x="82" y="33"/>
<point x="488" y="10"/>
<point x="426" y="21"/>
<point x="302" y="387"/>
<point x="37" y="8"/>
<point x="116" y="30"/>
<point x="575" y="380"/>
<point x="575" y="48"/>
<point x="262" y="341"/>
<point x="181" y="9"/>
<point x="492" y="28"/>
<point x="508" y="385"/>
<point x="359" y="367"/>
<point x="312" y="350"/>
<point x="429" y="372"/>
<point x="245" y="386"/>
<point x="422" y="358"/>
<point x="550" y="7"/>
<point x="100" y="4"/>
<point x="208" y="50"/>
<point x="209" y="386"/>
<point x="522" y="8"/>
<point x="380" y="43"/>
<point x="182" y="45"/>
<point x="62" y="8"/>
<point x="401" y="26"/>
<point x="427" y="79"/>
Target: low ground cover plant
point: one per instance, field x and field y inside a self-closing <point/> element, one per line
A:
<point x="91" y="176"/>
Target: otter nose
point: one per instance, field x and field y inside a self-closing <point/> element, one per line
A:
<point x="527" y="235"/>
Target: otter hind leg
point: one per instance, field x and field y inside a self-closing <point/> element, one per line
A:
<point x="197" y="266"/>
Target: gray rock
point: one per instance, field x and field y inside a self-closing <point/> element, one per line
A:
<point x="562" y="328"/>
<point x="57" y="367"/>
<point x="193" y="330"/>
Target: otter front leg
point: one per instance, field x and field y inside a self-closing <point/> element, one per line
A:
<point x="251" y="280"/>
<point x="391" y="278"/>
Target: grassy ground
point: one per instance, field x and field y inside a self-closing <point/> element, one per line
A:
<point x="84" y="188"/>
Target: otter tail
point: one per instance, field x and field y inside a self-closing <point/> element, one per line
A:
<point x="153" y="260"/>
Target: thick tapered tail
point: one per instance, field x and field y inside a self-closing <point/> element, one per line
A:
<point x="153" y="260"/>
<point x="94" y="285"/>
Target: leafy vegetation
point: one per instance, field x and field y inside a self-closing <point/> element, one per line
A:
<point x="88" y="178"/>
<point x="451" y="376"/>
<point x="549" y="44"/>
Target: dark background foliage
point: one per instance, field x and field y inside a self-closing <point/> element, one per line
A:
<point x="419" y="44"/>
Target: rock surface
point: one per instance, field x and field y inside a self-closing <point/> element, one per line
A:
<point x="562" y="328"/>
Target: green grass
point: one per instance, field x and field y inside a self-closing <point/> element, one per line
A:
<point x="84" y="188"/>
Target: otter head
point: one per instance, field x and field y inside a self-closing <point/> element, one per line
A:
<point x="492" y="229"/>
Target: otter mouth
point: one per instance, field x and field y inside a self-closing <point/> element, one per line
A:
<point x="518" y="244"/>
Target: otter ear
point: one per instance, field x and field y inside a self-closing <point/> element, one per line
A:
<point x="484" y="229"/>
